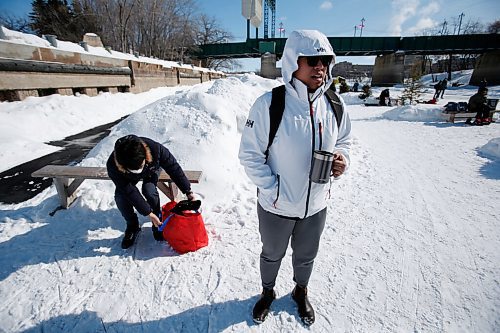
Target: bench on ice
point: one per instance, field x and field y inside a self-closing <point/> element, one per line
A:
<point x="450" y="116"/>
<point x="67" y="179"/>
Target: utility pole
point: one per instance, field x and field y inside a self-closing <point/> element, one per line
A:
<point x="460" y="22"/>
<point x="362" y="26"/>
<point x="443" y="30"/>
<point x="281" y="29"/>
<point x="355" y="29"/>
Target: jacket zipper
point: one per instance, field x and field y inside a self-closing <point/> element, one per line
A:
<point x="311" y="113"/>
<point x="278" y="193"/>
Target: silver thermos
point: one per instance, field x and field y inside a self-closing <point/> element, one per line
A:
<point x="321" y="166"/>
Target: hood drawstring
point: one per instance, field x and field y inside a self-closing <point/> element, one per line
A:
<point x="320" y="128"/>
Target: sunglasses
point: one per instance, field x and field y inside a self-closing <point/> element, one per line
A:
<point x="325" y="60"/>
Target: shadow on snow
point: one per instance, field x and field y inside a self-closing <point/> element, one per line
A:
<point x="68" y="235"/>
<point x="214" y="317"/>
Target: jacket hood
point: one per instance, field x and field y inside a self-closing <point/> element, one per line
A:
<point x="305" y="43"/>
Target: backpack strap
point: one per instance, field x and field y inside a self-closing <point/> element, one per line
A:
<point x="276" y="110"/>
<point x="337" y="106"/>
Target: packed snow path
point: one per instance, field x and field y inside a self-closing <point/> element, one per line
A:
<point x="411" y="242"/>
<point x="418" y="230"/>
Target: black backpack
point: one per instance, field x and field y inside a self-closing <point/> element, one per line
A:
<point x="277" y="108"/>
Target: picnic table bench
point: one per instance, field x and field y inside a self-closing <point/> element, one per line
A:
<point x="67" y="179"/>
<point x="450" y="116"/>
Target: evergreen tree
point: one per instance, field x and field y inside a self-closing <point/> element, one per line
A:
<point x="413" y="88"/>
<point x="54" y="17"/>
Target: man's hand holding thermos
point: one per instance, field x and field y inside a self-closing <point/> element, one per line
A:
<point x="339" y="164"/>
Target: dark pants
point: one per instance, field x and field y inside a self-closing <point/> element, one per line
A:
<point x="483" y="112"/>
<point x="126" y="208"/>
<point x="275" y="233"/>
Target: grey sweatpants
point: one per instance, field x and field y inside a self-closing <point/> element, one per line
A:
<point x="275" y="232"/>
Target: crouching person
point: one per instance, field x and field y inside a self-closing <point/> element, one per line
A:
<point x="137" y="159"/>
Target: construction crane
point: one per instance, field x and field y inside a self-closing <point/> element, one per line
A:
<point x="269" y="5"/>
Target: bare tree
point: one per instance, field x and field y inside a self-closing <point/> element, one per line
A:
<point x="209" y="32"/>
<point x="494" y="27"/>
<point x="157" y="28"/>
<point x="119" y="14"/>
<point x="16" y="23"/>
<point x="166" y="29"/>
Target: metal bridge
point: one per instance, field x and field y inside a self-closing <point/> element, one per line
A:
<point x="363" y="46"/>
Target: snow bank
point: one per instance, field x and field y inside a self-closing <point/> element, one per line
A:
<point x="201" y="127"/>
<point x="491" y="149"/>
<point x="22" y="38"/>
<point x="351" y="98"/>
<point x="420" y="112"/>
<point x="27" y="126"/>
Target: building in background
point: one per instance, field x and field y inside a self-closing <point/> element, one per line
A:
<point x="352" y="72"/>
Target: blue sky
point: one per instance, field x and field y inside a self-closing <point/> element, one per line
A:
<point x="338" y="18"/>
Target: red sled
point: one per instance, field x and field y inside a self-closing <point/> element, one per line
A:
<point x="183" y="227"/>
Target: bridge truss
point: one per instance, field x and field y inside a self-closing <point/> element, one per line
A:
<point x="269" y="6"/>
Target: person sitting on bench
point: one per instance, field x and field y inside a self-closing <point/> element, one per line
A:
<point x="479" y="103"/>
<point x="138" y="158"/>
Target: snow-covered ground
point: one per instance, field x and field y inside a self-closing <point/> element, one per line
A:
<point x="411" y="241"/>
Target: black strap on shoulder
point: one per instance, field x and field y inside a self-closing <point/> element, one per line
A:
<point x="277" y="108"/>
<point x="337" y="106"/>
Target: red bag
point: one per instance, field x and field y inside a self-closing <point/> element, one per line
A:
<point x="184" y="231"/>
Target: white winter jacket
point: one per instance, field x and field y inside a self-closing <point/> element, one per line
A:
<point x="283" y="180"/>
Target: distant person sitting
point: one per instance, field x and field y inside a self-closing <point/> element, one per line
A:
<point x="384" y="98"/>
<point x="367" y="92"/>
<point x="479" y="103"/>
<point x="343" y="88"/>
<point x="137" y="159"/>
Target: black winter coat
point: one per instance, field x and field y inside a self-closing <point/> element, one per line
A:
<point x="157" y="156"/>
<point x="477" y="102"/>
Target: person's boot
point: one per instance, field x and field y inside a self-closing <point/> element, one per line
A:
<point x="485" y="121"/>
<point x="130" y="237"/>
<point x="477" y="122"/>
<point x="306" y="311"/>
<point x="158" y="235"/>
<point x="261" y="308"/>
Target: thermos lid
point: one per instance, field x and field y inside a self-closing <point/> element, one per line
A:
<point x="323" y="155"/>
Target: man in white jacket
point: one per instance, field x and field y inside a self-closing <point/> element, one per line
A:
<point x="290" y="205"/>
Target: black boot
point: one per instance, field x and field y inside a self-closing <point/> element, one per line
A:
<point x="306" y="311"/>
<point x="158" y="235"/>
<point x="130" y="237"/>
<point x="261" y="308"/>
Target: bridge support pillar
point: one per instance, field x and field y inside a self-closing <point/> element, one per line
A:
<point x="487" y="68"/>
<point x="268" y="66"/>
<point x="388" y="70"/>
